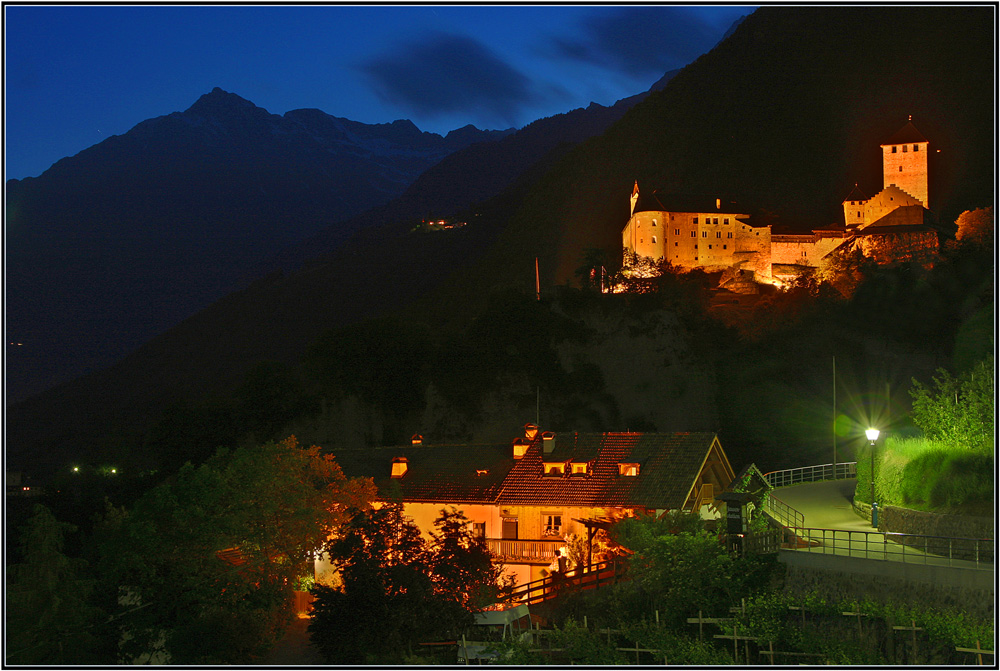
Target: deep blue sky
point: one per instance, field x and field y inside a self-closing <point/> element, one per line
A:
<point x="76" y="74"/>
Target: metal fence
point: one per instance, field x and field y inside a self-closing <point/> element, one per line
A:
<point x="793" y="476"/>
<point x="782" y="512"/>
<point x="970" y="553"/>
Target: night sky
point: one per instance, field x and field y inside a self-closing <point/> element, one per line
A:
<point x="75" y="75"/>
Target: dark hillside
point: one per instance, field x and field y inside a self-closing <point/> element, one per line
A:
<point x="786" y="115"/>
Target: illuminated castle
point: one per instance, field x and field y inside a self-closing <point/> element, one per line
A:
<point x="714" y="235"/>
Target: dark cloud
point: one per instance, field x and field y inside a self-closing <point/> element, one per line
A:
<point x="442" y="74"/>
<point x="641" y="41"/>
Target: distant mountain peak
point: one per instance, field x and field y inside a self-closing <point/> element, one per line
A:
<point x="220" y="101"/>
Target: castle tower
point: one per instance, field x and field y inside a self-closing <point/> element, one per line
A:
<point x="904" y="162"/>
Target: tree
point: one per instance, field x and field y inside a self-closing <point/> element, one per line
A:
<point x="50" y="617"/>
<point x="397" y="589"/>
<point x="206" y="562"/>
<point x="976" y="226"/>
<point x="958" y="411"/>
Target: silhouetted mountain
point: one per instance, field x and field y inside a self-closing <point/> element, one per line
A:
<point x="114" y="245"/>
<point x="787" y="114"/>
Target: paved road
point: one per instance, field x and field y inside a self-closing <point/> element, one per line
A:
<point x="825" y="504"/>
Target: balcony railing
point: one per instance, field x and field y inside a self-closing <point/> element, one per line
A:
<point x="534" y="551"/>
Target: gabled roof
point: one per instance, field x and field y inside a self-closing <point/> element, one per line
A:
<point x="444" y="473"/>
<point x="669" y="464"/>
<point x="856" y="194"/>
<point x="905" y="135"/>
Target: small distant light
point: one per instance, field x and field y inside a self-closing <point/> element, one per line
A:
<point x="76" y="469"/>
<point x="114" y="470"/>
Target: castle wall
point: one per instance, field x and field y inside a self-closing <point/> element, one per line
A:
<point x="854" y="212"/>
<point x="905" y="166"/>
<point x="919" y="246"/>
<point x="802" y="250"/>
<point x="885" y="201"/>
<point x="644" y="234"/>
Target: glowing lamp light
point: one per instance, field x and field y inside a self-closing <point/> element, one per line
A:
<point x="76" y="469"/>
<point x="872" y="435"/>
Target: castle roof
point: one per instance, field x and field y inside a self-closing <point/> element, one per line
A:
<point x="672" y="202"/>
<point x="907" y="215"/>
<point x="905" y="135"/>
<point x="856" y="194"/>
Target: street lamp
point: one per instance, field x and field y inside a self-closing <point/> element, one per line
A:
<point x="872" y="435"/>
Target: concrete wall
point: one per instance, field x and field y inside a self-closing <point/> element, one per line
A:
<point x="924" y="586"/>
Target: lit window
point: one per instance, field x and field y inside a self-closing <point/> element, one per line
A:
<point x="551" y="525"/>
<point x="479" y="530"/>
<point x="628" y="469"/>
<point x="654" y="222"/>
<point x="553" y="468"/>
<point x="654" y="239"/>
<point x="579" y="468"/>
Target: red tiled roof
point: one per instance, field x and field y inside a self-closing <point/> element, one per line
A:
<point x="668" y="467"/>
<point x="445" y="473"/>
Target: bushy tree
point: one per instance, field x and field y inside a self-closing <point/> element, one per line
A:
<point x="958" y="412"/>
<point x="50" y="617"/>
<point x="976" y="226"/>
<point x="397" y="589"/>
<point x="204" y="565"/>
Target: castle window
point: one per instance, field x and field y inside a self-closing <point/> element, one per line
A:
<point x="693" y="234"/>
<point x="723" y="246"/>
<point x="916" y="147"/>
<point x="654" y="222"/>
<point x="677" y="231"/>
<point x="695" y="220"/>
<point x="725" y="222"/>
<point x="704" y="234"/>
<point x="716" y="221"/>
<point x="641" y="241"/>
<point x="893" y="150"/>
<point x="675" y="244"/>
<point x="710" y="246"/>
<point x="654" y="239"/>
<point x="729" y="235"/>
<point x="904" y="148"/>
<point x="696" y="246"/>
<point x="718" y="234"/>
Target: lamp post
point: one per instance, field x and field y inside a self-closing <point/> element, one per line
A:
<point x="872" y="435"/>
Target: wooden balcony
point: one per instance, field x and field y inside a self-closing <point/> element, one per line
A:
<point x="525" y="551"/>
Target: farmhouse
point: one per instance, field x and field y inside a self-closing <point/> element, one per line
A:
<point x="527" y="498"/>
<point x="716" y="235"/>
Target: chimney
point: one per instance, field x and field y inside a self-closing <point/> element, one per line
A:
<point x="417" y="439"/>
<point x="530" y="431"/>
<point x="521" y="446"/>
<point x="548" y="442"/>
<point x="399" y="466"/>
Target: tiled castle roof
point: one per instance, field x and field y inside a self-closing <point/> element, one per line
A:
<point x="905" y="135"/>
<point x="668" y="202"/>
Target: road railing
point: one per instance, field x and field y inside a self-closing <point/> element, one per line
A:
<point x="794" y="476"/>
<point x="783" y="513"/>
<point x="970" y="553"/>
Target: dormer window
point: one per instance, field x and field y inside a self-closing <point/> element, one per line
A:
<point x="628" y="469"/>
<point x="399" y="466"/>
<point x="578" y="468"/>
<point x="553" y="468"/>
